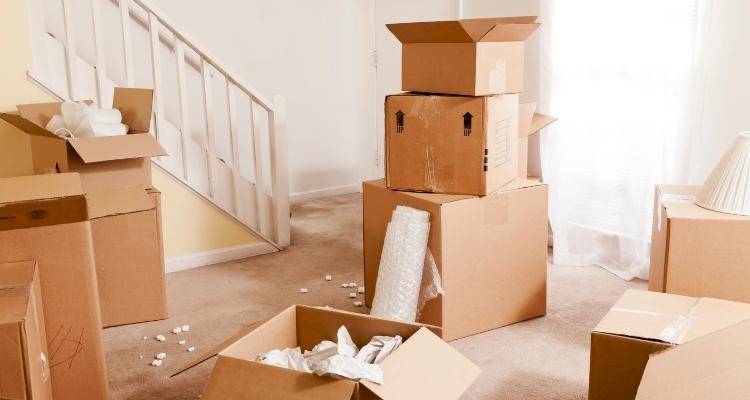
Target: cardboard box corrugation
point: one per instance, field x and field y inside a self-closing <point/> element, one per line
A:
<point x="44" y="218"/>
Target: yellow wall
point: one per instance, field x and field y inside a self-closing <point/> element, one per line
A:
<point x="191" y="224"/>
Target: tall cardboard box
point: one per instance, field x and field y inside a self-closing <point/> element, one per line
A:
<point x="44" y="218"/>
<point x="423" y="367"/>
<point x="103" y="162"/>
<point x="129" y="254"/>
<point x="24" y="366"/>
<point x="451" y="144"/>
<point x="642" y="323"/>
<point x="530" y="123"/>
<point x="491" y="252"/>
<point x="473" y="57"/>
<point x="698" y="252"/>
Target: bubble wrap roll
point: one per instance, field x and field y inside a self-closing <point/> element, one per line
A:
<point x="401" y="265"/>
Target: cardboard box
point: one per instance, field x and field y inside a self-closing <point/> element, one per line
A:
<point x="451" y="144"/>
<point x="24" y="369"/>
<point x="712" y="367"/>
<point x="423" y="367"/>
<point x="491" y="252"/>
<point x="44" y="218"/>
<point x="103" y="162"/>
<point x="530" y="123"/>
<point x="698" y="252"/>
<point x="129" y="254"/>
<point x="642" y="323"/>
<point x="473" y="57"/>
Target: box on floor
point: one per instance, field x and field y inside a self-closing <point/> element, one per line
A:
<point x="129" y="254"/>
<point x="698" y="252"/>
<point x="642" y="323"/>
<point x="24" y="366"/>
<point x="530" y="123"/>
<point x="451" y="144"/>
<point x="44" y="218"/>
<point x="422" y="367"/>
<point x="491" y="253"/>
<point x="473" y="57"/>
<point x="103" y="162"/>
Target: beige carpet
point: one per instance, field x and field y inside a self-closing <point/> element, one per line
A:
<point x="545" y="358"/>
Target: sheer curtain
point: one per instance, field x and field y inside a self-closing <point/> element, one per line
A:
<point x="621" y="77"/>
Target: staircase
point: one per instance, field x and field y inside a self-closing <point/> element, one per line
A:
<point x="226" y="141"/>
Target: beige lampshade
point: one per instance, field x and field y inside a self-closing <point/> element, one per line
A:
<point x="727" y="189"/>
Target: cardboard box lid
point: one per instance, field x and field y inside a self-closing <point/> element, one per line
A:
<point x="118" y="201"/>
<point x="679" y="202"/>
<point x="40" y="187"/>
<point x="15" y="279"/>
<point x="440" y="198"/>
<point x="670" y="318"/>
<point x="135" y="105"/>
<point x="109" y="148"/>
<point x="530" y="121"/>
<point x="716" y="366"/>
<point x="506" y="29"/>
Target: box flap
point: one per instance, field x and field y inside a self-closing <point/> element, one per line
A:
<point x="39" y="113"/>
<point x="424" y="367"/>
<point x="39" y="187"/>
<point x="464" y="31"/>
<point x="26" y="125"/>
<point x="670" y="318"/>
<point x="214" y="351"/>
<point x="110" y="148"/>
<point x="118" y="201"/>
<point x="525" y="116"/>
<point x="539" y="122"/>
<point x="679" y="202"/>
<point x="17" y="273"/>
<point x="716" y="366"/>
<point x="135" y="105"/>
<point x="15" y="280"/>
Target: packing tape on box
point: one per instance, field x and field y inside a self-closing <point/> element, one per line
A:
<point x="498" y="79"/>
<point x="425" y="108"/>
<point x="407" y="276"/>
<point x="675" y="332"/>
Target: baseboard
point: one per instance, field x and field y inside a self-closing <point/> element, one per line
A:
<point x="218" y="256"/>
<point x="326" y="192"/>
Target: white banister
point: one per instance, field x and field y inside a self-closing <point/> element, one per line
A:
<point x="280" y="170"/>
<point x="153" y="28"/>
<point x="70" y="49"/>
<point x="127" y="46"/>
<point x="184" y="105"/>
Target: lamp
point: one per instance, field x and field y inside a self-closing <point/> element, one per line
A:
<point x="727" y="189"/>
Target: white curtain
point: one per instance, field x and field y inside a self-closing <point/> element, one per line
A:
<point x="625" y="80"/>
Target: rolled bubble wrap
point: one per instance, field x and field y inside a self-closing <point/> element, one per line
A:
<point x="407" y="276"/>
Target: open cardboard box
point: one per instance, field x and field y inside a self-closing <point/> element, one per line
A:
<point x="474" y="57"/>
<point x="642" y="323"/>
<point x="423" y="367"/>
<point x="451" y="144"/>
<point x="530" y="123"/>
<point x="24" y="366"/>
<point x="103" y="162"/>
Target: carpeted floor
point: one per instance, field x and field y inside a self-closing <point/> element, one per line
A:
<point x="545" y="358"/>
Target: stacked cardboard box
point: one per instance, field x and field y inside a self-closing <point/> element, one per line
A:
<point x="456" y="147"/>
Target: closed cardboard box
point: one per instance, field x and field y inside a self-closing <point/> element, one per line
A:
<point x="491" y="252"/>
<point x="642" y="323"/>
<point x="129" y="253"/>
<point x="24" y="360"/>
<point x="698" y="252"/>
<point x="473" y="57"/>
<point x="451" y="144"/>
<point x="529" y="123"/>
<point x="44" y="218"/>
<point x="423" y="367"/>
<point x="103" y="162"/>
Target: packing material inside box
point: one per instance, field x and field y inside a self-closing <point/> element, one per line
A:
<point x="642" y="323"/>
<point x="451" y="144"/>
<point x="44" y="218"/>
<point x="423" y="366"/>
<point x="473" y="57"/>
<point x="529" y="123"/>
<point x="698" y="252"/>
<point x="491" y="253"/>
<point x="129" y="253"/>
<point x="103" y="162"/>
<point x="24" y="359"/>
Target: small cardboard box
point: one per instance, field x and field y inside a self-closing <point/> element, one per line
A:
<point x="530" y="123"/>
<point x="423" y="367"/>
<point x="473" y="57"/>
<point x="698" y="252"/>
<point x="129" y="253"/>
<point x="642" y="323"/>
<point x="451" y="144"/>
<point x="24" y="366"/>
<point x="44" y="218"/>
<point x="491" y="252"/>
<point x="103" y="162"/>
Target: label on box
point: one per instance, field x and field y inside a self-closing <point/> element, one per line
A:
<point x="501" y="152"/>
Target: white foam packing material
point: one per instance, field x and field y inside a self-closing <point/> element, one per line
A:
<point x="407" y="276"/>
<point x="81" y="120"/>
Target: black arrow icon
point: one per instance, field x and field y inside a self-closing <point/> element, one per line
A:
<point x="399" y="121"/>
<point x="467" y="123"/>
